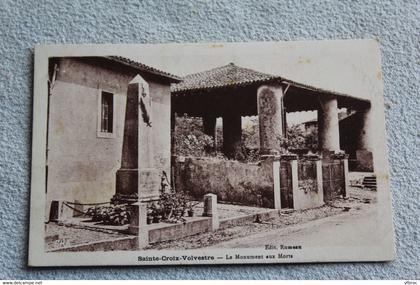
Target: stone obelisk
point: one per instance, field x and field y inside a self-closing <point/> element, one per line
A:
<point x="138" y="173"/>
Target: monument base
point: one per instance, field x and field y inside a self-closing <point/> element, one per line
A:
<point x="146" y="182"/>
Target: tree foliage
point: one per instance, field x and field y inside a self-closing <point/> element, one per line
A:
<point x="190" y="140"/>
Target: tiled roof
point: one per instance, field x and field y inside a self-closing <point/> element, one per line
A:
<point x="224" y="76"/>
<point x="232" y="75"/>
<point x="144" y="67"/>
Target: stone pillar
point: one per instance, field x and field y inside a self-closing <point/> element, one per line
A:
<point x="272" y="163"/>
<point x="365" y="141"/>
<point x="320" y="186"/>
<point x="60" y="212"/>
<point x="276" y="180"/>
<point x="173" y="121"/>
<point x="138" y="224"/>
<point x="232" y="135"/>
<point x="366" y="133"/>
<point x="270" y="113"/>
<point x="209" y="128"/>
<point x="137" y="173"/>
<point x="210" y="210"/>
<point x="346" y="177"/>
<point x="284" y="121"/>
<point x="328" y="129"/>
<point x="295" y="183"/>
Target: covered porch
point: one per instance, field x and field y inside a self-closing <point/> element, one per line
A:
<point x="231" y="92"/>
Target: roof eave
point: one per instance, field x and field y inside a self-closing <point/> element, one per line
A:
<point x="151" y="70"/>
<point x="320" y="90"/>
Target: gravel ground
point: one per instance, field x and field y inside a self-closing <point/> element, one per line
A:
<point x="229" y="210"/>
<point x="59" y="236"/>
<point x="359" y="198"/>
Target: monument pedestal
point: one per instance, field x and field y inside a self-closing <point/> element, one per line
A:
<point x="149" y="184"/>
<point x="129" y="181"/>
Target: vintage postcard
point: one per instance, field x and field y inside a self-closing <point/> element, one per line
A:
<point x="220" y="153"/>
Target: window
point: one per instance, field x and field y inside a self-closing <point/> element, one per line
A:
<point x="107" y="112"/>
<point x="106" y="115"/>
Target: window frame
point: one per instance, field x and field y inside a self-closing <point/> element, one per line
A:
<point x="99" y="132"/>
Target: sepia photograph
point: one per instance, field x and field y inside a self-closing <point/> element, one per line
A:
<point x="218" y="153"/>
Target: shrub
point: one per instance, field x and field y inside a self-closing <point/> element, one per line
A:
<point x="189" y="138"/>
<point x="119" y="198"/>
<point x="171" y="205"/>
<point x="116" y="215"/>
<point x="308" y="185"/>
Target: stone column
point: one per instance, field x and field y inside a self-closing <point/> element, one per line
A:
<point x="366" y="133"/>
<point x="365" y="140"/>
<point x="232" y="135"/>
<point x="137" y="173"/>
<point x="209" y="128"/>
<point x="328" y="129"/>
<point x="270" y="113"/>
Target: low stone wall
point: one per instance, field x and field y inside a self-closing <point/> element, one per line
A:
<point x="232" y="181"/>
<point x="335" y="176"/>
<point x="298" y="183"/>
<point x="309" y="192"/>
<point x="177" y="231"/>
